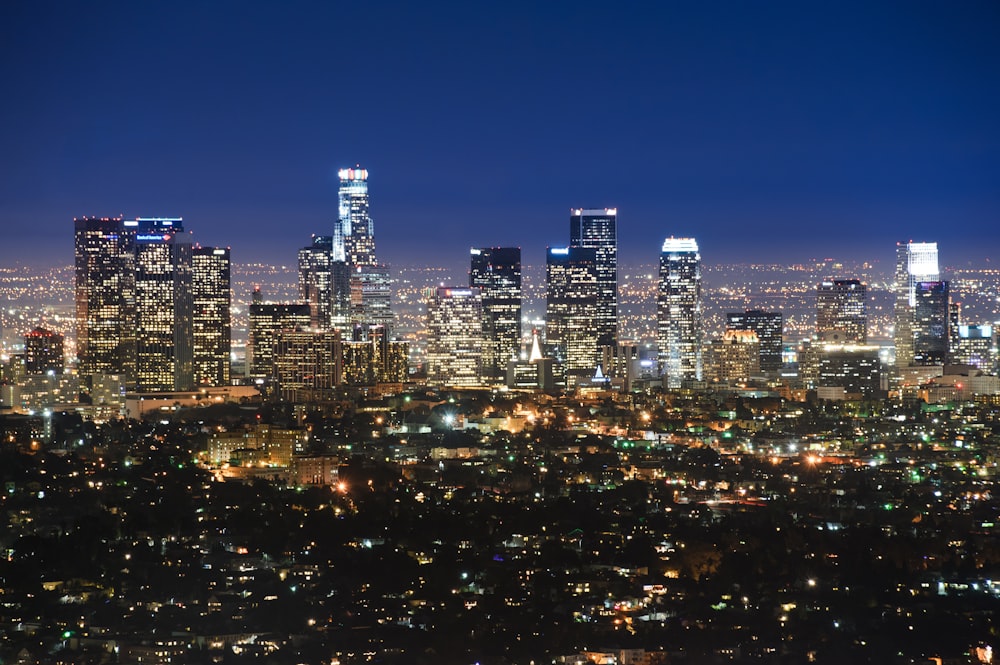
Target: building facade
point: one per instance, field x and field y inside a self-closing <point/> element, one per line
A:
<point x="164" y="305"/>
<point x="104" y="252"/>
<point x="496" y="272"/>
<point x="572" y="288"/>
<point x="212" y="322"/>
<point x="915" y="262"/>
<point x="598" y="229"/>
<point x="842" y="311"/>
<point x="768" y="326"/>
<point x="679" y="322"/>
<point x="455" y="337"/>
<point x="43" y="352"/>
<point x="930" y="323"/>
<point x="266" y="321"/>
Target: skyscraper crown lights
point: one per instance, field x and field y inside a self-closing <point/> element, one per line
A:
<point x="353" y="174"/>
<point x="680" y="245"/>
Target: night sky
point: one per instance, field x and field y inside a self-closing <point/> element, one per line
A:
<point x="771" y="131"/>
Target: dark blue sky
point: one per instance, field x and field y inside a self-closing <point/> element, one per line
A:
<point x="768" y="130"/>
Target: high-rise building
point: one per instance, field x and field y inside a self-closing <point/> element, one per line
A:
<point x="355" y="229"/>
<point x="164" y="305"/>
<point x="306" y="364"/>
<point x="496" y="271"/>
<point x="315" y="279"/>
<point x="371" y="306"/>
<point x="354" y="266"/>
<point x="915" y="262"/>
<point x="43" y="352"/>
<point x="104" y="250"/>
<point x="848" y="371"/>
<point x="842" y="311"/>
<point x="768" y="327"/>
<point x="597" y="229"/>
<point x="212" y="322"/>
<point x="571" y="300"/>
<point x="266" y="321"/>
<point x="680" y="328"/>
<point x="930" y="323"/>
<point x="455" y="337"/>
<point x="735" y="357"/>
<point x="975" y="345"/>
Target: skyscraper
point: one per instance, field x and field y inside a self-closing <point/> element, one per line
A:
<point x="164" y="305"/>
<point x="353" y="245"/>
<point x="455" y="337"/>
<point x="356" y="231"/>
<point x="104" y="251"/>
<point x="43" y="352"/>
<point x="571" y="300"/>
<point x="680" y="328"/>
<point x="315" y="279"/>
<point x="930" y="323"/>
<point x="768" y="326"/>
<point x="212" y="326"/>
<point x="371" y="292"/>
<point x="496" y="271"/>
<point x="842" y="311"/>
<point x="597" y="229"/>
<point x="306" y="364"/>
<point x="915" y="262"/>
<point x="266" y="321"/>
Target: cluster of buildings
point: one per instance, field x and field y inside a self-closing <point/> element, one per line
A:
<point x="153" y="325"/>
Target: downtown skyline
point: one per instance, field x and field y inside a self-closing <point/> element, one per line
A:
<point x="769" y="134"/>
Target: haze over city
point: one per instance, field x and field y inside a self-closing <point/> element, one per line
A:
<point x="770" y="132"/>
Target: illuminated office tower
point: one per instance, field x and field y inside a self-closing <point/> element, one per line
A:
<point x="356" y="231"/>
<point x="496" y="271"/>
<point x="455" y="337"/>
<point x="371" y="291"/>
<point x="975" y="345"/>
<point x="212" y="323"/>
<point x="842" y="311"/>
<point x="315" y="279"/>
<point x="370" y="284"/>
<point x="848" y="371"/>
<point x="104" y="250"/>
<point x="915" y="262"/>
<point x="734" y="358"/>
<point x="597" y="228"/>
<point x="930" y="323"/>
<point x="164" y="305"/>
<point x="768" y="326"/>
<point x="680" y="328"/>
<point x="376" y="361"/>
<point x="266" y="321"/>
<point x="570" y="303"/>
<point x="306" y="364"/>
<point x="43" y="352"/>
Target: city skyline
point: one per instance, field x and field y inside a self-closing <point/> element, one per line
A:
<point x="764" y="132"/>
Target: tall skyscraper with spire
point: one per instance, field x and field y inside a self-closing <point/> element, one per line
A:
<point x="357" y="232"/>
<point x="679" y="322"/>
<point x="353" y="258"/>
<point x="597" y="228"/>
